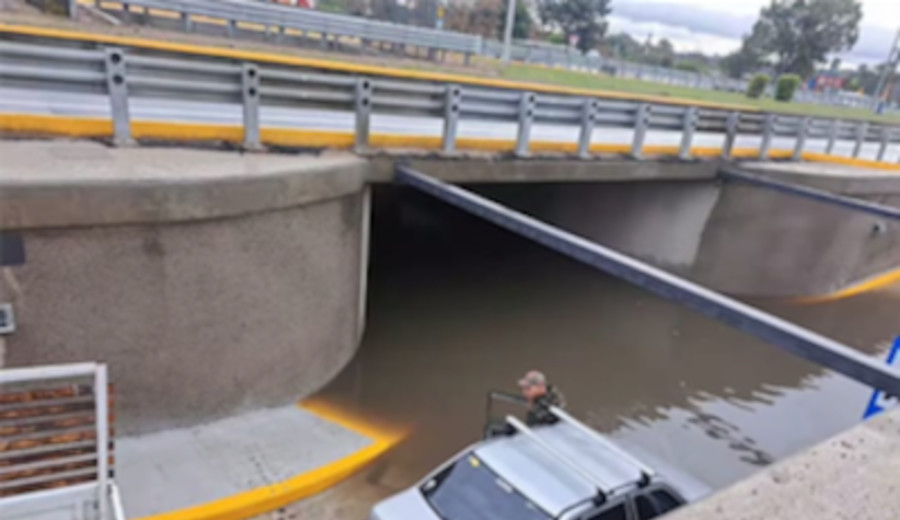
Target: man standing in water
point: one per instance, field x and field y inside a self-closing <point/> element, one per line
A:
<point x="541" y="396"/>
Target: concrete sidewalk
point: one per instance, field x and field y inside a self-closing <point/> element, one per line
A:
<point x="241" y="465"/>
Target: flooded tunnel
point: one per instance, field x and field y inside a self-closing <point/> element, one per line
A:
<point x="458" y="307"/>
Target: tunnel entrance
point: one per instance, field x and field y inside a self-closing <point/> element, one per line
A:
<point x="458" y="307"/>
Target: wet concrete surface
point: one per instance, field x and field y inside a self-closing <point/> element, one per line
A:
<point x="458" y="308"/>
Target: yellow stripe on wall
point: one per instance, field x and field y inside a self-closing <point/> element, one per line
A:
<point x="870" y="284"/>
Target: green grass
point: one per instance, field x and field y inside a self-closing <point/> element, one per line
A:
<point x="634" y="86"/>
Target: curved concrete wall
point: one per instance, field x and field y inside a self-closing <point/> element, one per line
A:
<point x="732" y="237"/>
<point x="197" y="317"/>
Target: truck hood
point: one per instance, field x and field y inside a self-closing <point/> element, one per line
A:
<point x="406" y="505"/>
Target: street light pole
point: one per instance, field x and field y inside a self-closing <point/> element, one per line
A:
<point x="508" y="29"/>
<point x="889" y="67"/>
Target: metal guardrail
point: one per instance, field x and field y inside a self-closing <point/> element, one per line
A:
<point x="282" y="18"/>
<point x="129" y="75"/>
<point x="278" y="19"/>
<point x="100" y="493"/>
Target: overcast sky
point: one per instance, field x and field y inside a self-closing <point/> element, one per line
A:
<point x="716" y="26"/>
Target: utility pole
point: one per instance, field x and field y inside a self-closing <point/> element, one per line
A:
<point x="508" y="29"/>
<point x="889" y="68"/>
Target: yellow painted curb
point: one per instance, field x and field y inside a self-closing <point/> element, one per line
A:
<point x="284" y="59"/>
<point x="69" y="126"/>
<point x="869" y="284"/>
<point x="264" y="499"/>
<point x="849" y="161"/>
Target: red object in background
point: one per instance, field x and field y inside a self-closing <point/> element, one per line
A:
<point x="829" y="82"/>
<point x="305" y="4"/>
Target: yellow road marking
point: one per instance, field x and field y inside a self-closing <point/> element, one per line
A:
<point x="849" y="161"/>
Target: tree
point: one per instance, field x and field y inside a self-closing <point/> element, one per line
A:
<point x="802" y="33"/>
<point x="582" y="20"/>
<point x="741" y="62"/>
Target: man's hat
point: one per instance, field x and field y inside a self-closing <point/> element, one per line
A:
<point x="533" y="378"/>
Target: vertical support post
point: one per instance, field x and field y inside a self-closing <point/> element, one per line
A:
<point x="117" y="87"/>
<point x="802" y="132"/>
<point x="250" y="98"/>
<point x="689" y="126"/>
<point x="526" y="116"/>
<point x="467" y="59"/>
<point x="641" y="122"/>
<point x="363" y="110"/>
<point x="832" y="136"/>
<point x="280" y="36"/>
<point x="187" y="22"/>
<point x="126" y="13"/>
<point x="452" y="107"/>
<point x="883" y="146"/>
<point x="232" y="28"/>
<point x="861" y="130"/>
<point x="71" y="8"/>
<point x="731" y="130"/>
<point x="101" y="421"/>
<point x="588" y="116"/>
<point x="768" y="132"/>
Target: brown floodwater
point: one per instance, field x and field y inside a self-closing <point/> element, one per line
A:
<point x="458" y="308"/>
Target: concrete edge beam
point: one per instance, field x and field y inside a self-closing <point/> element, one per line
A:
<point x="490" y="169"/>
<point x="147" y="186"/>
<point x="844" y="179"/>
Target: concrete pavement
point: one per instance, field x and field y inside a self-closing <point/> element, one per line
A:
<point x="853" y="475"/>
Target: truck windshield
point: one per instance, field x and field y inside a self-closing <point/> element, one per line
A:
<point x="469" y="490"/>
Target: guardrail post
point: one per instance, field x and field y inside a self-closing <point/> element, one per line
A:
<point x="126" y="13"/>
<point x="117" y="87"/>
<point x="731" y="130"/>
<point x="802" y="131"/>
<point x="250" y="96"/>
<point x="101" y="422"/>
<point x="885" y="138"/>
<point x="689" y="126"/>
<point x="452" y="106"/>
<point x="363" y="110"/>
<point x="641" y="122"/>
<point x="467" y="59"/>
<point x="832" y="136"/>
<point x="232" y="28"/>
<point x="187" y="23"/>
<point x="279" y="37"/>
<point x="526" y="116"/>
<point x="588" y="116"/>
<point x="768" y="132"/>
<point x="861" y="130"/>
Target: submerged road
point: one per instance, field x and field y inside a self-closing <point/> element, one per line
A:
<point x="22" y="101"/>
<point x="458" y="308"/>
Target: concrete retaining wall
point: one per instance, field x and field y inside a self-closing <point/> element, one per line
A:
<point x="242" y="292"/>
<point x="732" y="237"/>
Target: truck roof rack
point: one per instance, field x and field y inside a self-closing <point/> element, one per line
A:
<point x="647" y="472"/>
<point x="520" y="427"/>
